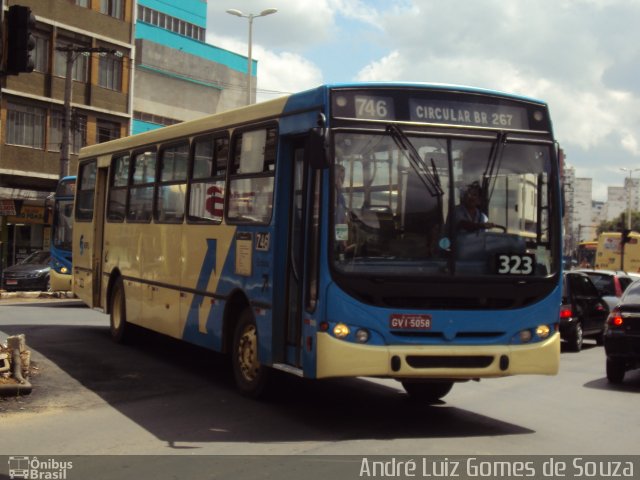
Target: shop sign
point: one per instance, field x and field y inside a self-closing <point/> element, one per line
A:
<point x="7" y="207"/>
<point x="28" y="214"/>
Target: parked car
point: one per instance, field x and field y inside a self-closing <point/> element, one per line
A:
<point x="583" y="311"/>
<point x="610" y="284"/>
<point x="622" y="335"/>
<point x="30" y="274"/>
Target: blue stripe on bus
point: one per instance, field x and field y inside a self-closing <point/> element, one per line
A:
<point x="191" y="329"/>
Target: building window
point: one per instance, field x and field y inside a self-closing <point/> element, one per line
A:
<point x="82" y="3"/>
<point x="40" y="53"/>
<point x="80" y="62"/>
<point x="153" y="17"/>
<point x="157" y="119"/>
<point x="107" y="131"/>
<point x="78" y="132"/>
<point x="110" y="75"/>
<point x="25" y="125"/>
<point x="112" y="8"/>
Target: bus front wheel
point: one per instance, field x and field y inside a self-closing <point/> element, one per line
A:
<point x="118" y="319"/>
<point x="251" y="377"/>
<point x="429" y="392"/>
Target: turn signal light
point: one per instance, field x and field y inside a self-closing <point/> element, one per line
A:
<point x="543" y="331"/>
<point x="341" y="330"/>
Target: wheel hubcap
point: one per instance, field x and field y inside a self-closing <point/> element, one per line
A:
<point x="248" y="353"/>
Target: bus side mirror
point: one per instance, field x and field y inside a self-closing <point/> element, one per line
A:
<point x="316" y="149"/>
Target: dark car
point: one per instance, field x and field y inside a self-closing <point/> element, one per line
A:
<point x="622" y="335"/>
<point x="611" y="284"/>
<point x="30" y="274"/>
<point x="583" y="311"/>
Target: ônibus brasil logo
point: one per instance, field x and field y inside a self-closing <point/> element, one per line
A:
<point x="34" y="468"/>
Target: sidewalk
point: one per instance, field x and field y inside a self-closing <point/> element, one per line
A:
<point x="34" y="296"/>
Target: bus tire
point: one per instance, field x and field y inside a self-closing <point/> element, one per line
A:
<point x="118" y="318"/>
<point x="429" y="392"/>
<point x="250" y="376"/>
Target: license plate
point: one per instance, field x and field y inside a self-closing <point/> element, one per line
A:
<point x="11" y="282"/>
<point x="410" y="322"/>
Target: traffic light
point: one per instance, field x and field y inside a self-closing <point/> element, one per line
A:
<point x="625" y="236"/>
<point x="20" y="42"/>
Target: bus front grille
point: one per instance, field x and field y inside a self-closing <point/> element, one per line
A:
<point x="445" y="361"/>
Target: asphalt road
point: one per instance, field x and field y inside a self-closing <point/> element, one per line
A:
<point x="161" y="397"/>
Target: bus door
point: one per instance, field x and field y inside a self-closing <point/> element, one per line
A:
<point x="98" y="254"/>
<point x="87" y="232"/>
<point x="295" y="273"/>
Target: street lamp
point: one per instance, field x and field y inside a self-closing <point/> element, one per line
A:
<point x="250" y="16"/>
<point x="630" y="170"/>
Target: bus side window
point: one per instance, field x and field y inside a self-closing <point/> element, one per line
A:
<point x="172" y="184"/>
<point x="116" y="207"/>
<point x="252" y="176"/>
<point x="141" y="187"/>
<point x="86" y="190"/>
<point x="206" y="196"/>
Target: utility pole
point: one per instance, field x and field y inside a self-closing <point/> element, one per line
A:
<point x="72" y="53"/>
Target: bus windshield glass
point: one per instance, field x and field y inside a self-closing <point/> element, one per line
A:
<point x="411" y="204"/>
<point x="63" y="234"/>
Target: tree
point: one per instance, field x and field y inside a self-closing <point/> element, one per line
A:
<point x="620" y="222"/>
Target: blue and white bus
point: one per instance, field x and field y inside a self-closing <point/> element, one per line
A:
<point x="62" y="231"/>
<point x="320" y="234"/>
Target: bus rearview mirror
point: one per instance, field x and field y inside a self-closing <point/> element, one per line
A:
<point x="316" y="149"/>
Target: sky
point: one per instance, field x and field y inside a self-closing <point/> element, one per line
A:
<point x="580" y="56"/>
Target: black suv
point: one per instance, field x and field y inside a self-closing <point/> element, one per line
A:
<point x="622" y="335"/>
<point x="583" y="311"/>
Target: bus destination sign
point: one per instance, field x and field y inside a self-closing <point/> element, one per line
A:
<point x="472" y="114"/>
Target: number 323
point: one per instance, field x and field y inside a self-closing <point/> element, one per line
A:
<point x="515" y="264"/>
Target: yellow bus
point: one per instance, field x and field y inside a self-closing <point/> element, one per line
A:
<point x="608" y="252"/>
<point x="310" y="234"/>
<point x="586" y="253"/>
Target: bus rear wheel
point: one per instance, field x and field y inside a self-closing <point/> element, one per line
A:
<point x="429" y="392"/>
<point x="251" y="377"/>
<point x="118" y="318"/>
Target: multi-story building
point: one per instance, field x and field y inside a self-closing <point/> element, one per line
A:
<point x="33" y="107"/>
<point x="582" y="222"/>
<point x="616" y="202"/>
<point x="178" y="76"/>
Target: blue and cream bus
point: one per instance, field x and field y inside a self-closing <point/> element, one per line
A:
<point x="317" y="234"/>
<point x="62" y="231"/>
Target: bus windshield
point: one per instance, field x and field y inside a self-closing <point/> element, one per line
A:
<point x="440" y="206"/>
<point x="63" y="233"/>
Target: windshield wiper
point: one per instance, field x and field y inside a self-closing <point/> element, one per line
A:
<point x="430" y="179"/>
<point x="493" y="165"/>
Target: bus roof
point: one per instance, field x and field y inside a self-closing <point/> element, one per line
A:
<point x="306" y="100"/>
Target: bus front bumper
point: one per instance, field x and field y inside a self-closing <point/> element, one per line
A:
<point x="337" y="358"/>
<point x="60" y="282"/>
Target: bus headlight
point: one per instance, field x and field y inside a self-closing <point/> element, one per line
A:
<point x="525" y="336"/>
<point x="341" y="330"/>
<point x="543" y="331"/>
<point x="64" y="270"/>
<point x="362" y="335"/>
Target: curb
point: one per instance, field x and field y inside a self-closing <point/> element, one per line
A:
<point x="12" y="390"/>
<point x="35" y="294"/>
